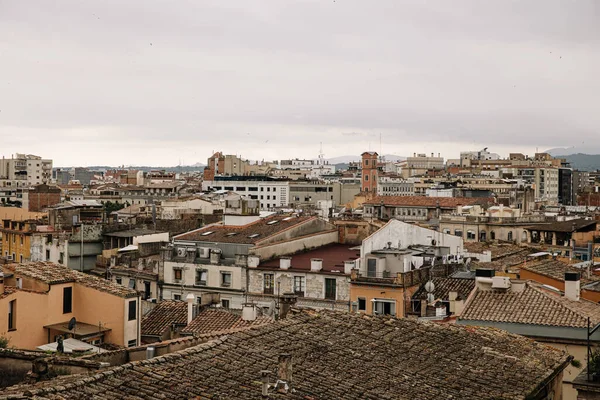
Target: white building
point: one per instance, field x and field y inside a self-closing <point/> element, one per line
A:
<point x="270" y="193"/>
<point x="395" y="186"/>
<point x="25" y="170"/>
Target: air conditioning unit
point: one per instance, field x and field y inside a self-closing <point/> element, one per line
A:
<point x="181" y="252"/>
<point x="500" y="282"/>
<point x="204" y="252"/>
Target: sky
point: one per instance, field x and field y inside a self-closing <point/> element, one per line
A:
<point x="169" y="82"/>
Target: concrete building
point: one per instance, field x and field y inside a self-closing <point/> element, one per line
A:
<point x="41" y="298"/>
<point x="211" y="262"/>
<point x="24" y="170"/>
<point x="394" y="185"/>
<point x="271" y="193"/>
<point x="466" y="157"/>
<point x="420" y="163"/>
<point x="544" y="180"/>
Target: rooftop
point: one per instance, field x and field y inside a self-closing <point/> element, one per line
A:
<point x="132" y="233"/>
<point x="443" y="286"/>
<point x="163" y="316"/>
<point x="209" y="321"/>
<point x="53" y="274"/>
<point x="246" y="234"/>
<point x="565" y="226"/>
<point x="335" y="355"/>
<point x="556" y="270"/>
<point x="333" y="256"/>
<point x="431" y="202"/>
<point x="534" y="305"/>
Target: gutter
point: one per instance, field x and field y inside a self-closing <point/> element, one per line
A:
<point x="532" y="395"/>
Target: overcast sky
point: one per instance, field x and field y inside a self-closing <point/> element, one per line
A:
<point x="162" y="82"/>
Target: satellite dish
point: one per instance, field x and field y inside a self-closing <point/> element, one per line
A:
<point x="72" y="323"/>
<point x="429" y="287"/>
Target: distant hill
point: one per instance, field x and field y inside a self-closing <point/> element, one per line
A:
<point x="583" y="162"/>
<point x="180" y="168"/>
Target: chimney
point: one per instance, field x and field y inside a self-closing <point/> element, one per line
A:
<point x="264" y="378"/>
<point x="215" y="256"/>
<point x="190" y="300"/>
<point x="248" y="312"/>
<point x="316" y="264"/>
<point x="572" y="285"/>
<point x="1" y="282"/>
<point x="349" y="266"/>
<point x="241" y="260"/>
<point x="517" y="285"/>
<point x="483" y="278"/>
<point x="285" y="262"/>
<point x="284" y="373"/>
<point x="287" y="301"/>
<point x="253" y="261"/>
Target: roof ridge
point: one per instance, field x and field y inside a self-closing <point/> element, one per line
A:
<point x="556" y="301"/>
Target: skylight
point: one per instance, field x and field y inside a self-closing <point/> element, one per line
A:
<point x="207" y="233"/>
<point x="287" y="218"/>
<point x="254" y="235"/>
<point x="231" y="234"/>
<point x="272" y="222"/>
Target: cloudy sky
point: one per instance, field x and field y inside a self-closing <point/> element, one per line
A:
<point x="162" y="82"/>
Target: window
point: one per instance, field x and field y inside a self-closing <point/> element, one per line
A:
<point x="225" y="303"/>
<point x="21" y="238"/>
<point x="226" y="279"/>
<point x="147" y="291"/>
<point x="384" y="307"/>
<point x="372" y="268"/>
<point x="330" y="288"/>
<point x="12" y="315"/>
<point x="132" y="310"/>
<point x="268" y="286"/>
<point x="177" y="274"/>
<point x="47" y="255"/>
<point x="176" y="297"/>
<point x="470" y="235"/>
<point x="67" y="300"/>
<point x="362" y="304"/>
<point x="458" y="232"/>
<point x="132" y="343"/>
<point x="299" y="286"/>
<point x="366" y="177"/>
<point x="61" y="257"/>
<point x="201" y="276"/>
<point x="21" y="258"/>
<point x="119" y="280"/>
<point x="509" y="237"/>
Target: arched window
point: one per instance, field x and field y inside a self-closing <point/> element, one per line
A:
<point x="493" y="235"/>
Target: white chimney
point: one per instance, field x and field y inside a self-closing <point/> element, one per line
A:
<point x="517" y="285"/>
<point x="316" y="264"/>
<point x="349" y="266"/>
<point x="572" y="285"/>
<point x="285" y="262"/>
<point x="190" y="300"/>
<point x="253" y="261"/>
<point x="248" y="312"/>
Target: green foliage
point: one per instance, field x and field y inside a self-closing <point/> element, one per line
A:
<point x="576" y="363"/>
<point x="594" y="365"/>
<point x="4" y="342"/>
<point x="109" y="207"/>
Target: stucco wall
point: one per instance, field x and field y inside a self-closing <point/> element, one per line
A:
<point x="402" y="235"/>
<point x="31" y="317"/>
<point x="294" y="245"/>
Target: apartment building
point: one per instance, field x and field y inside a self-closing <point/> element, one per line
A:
<point x="38" y="300"/>
<point x="271" y="193"/>
<point x="24" y="170"/>
<point x="394" y="185"/>
<point x="544" y="180"/>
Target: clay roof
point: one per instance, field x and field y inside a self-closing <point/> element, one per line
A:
<point x="246" y="234"/>
<point x="556" y="270"/>
<point x="54" y="274"/>
<point x="534" y="305"/>
<point x="443" y="286"/>
<point x="430" y="202"/>
<point x="209" y="321"/>
<point x="333" y="256"/>
<point x="334" y="356"/>
<point x="163" y="316"/>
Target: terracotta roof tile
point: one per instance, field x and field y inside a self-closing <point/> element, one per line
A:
<point x="333" y="256"/>
<point x="431" y="202"/>
<point x="533" y="305"/>
<point x="163" y="316"/>
<point x="335" y="356"/>
<point x="443" y="286"/>
<point x="208" y="321"/>
<point x="53" y="274"/>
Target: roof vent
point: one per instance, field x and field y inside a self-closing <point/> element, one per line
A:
<point x="272" y="222"/>
<point x="207" y="233"/>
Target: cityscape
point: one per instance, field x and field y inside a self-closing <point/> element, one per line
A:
<point x="299" y="200"/>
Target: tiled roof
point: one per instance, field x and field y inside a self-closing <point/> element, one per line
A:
<point x="333" y="256"/>
<point x="209" y="321"/>
<point x="563" y="226"/>
<point x="8" y="290"/>
<point x="246" y="234"/>
<point x="504" y="256"/>
<point x="533" y="305"/>
<point x="556" y="270"/>
<point x="431" y="202"/>
<point x="334" y="356"/>
<point x="163" y="316"/>
<point x="443" y="286"/>
<point x="53" y="274"/>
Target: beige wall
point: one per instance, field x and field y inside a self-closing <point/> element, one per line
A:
<point x="29" y="332"/>
<point x="579" y="353"/>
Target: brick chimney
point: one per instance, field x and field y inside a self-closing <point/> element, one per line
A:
<point x="287" y="301"/>
<point x="284" y="373"/>
<point x="572" y="285"/>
